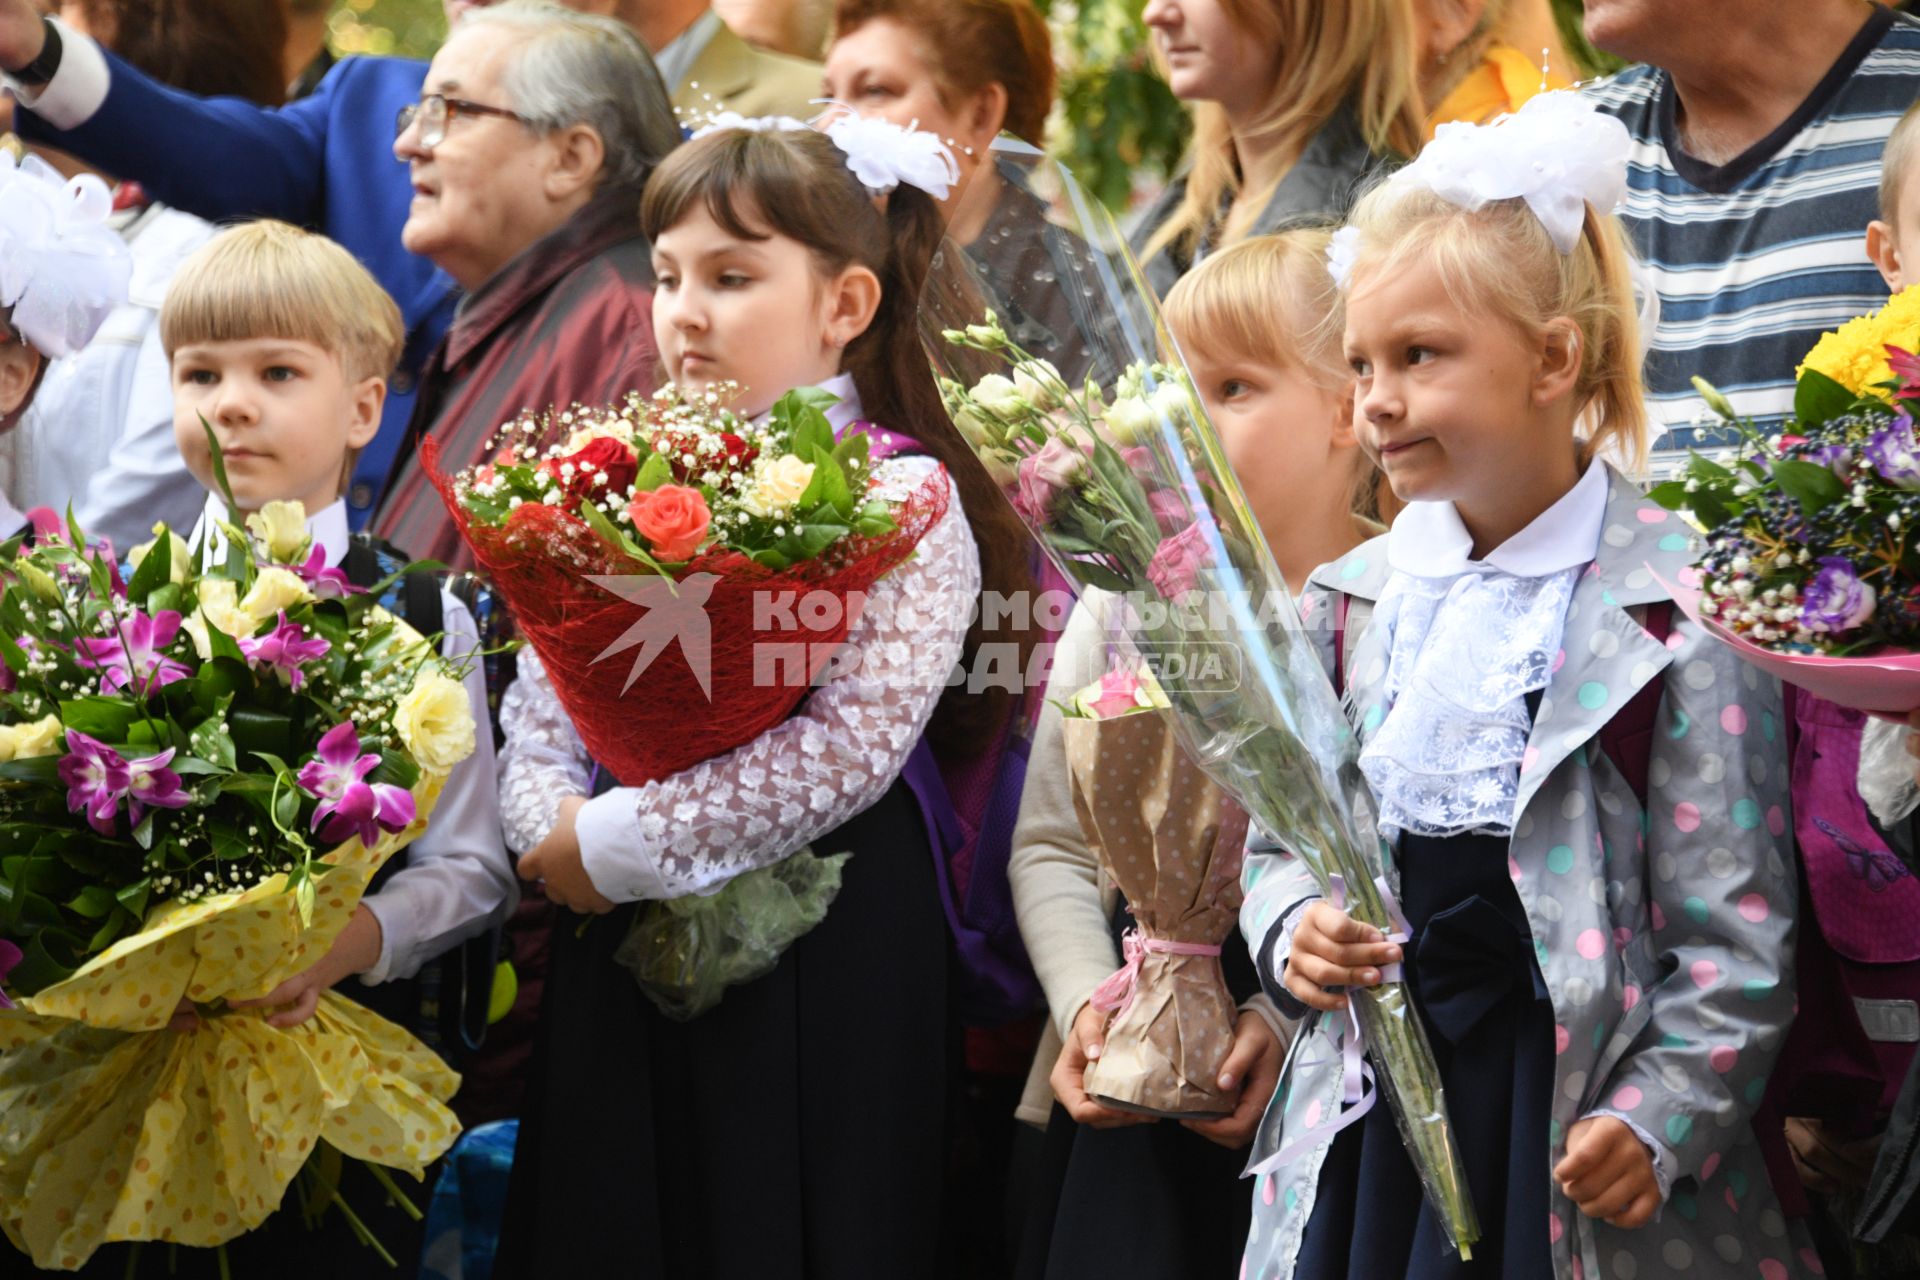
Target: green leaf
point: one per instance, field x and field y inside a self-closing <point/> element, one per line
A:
<point x="1672" y="495"/>
<point x="597" y="521"/>
<point x="152" y="572"/>
<point x="42" y="770"/>
<point x="827" y="487"/>
<point x="46" y="958"/>
<point x="239" y="565"/>
<point x="134" y="896"/>
<point x="143" y="833"/>
<point x="853" y="452"/>
<point x="286" y="806"/>
<point x="168" y="596"/>
<point x="1705" y="469"/>
<point x="93" y="902"/>
<point x="260" y="731"/>
<point x="1811" y="485"/>
<point x="109" y="933"/>
<point x="1094" y="574"/>
<point x="211" y="741"/>
<point x="107" y="719"/>
<point x="654" y="472"/>
<point x="395" y="769"/>
<point x="1711" y="511"/>
<point x="1818" y="398"/>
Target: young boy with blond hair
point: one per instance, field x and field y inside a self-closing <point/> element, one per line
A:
<point x="280" y="343"/>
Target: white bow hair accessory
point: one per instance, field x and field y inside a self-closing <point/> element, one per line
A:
<point x="880" y="153"/>
<point x="1341" y="252"/>
<point x="1558" y="153"/>
<point x="62" y="268"/>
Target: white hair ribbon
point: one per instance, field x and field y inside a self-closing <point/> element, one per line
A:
<point x="880" y="153"/>
<point x="62" y="268"/>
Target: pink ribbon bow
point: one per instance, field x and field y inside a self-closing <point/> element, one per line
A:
<point x="1115" y="995"/>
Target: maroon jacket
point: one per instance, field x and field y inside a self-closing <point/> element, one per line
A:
<point x="569" y="320"/>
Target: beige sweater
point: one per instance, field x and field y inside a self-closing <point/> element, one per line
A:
<point x="1063" y="900"/>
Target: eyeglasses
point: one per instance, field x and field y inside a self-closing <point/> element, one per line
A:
<point x="436" y="111"/>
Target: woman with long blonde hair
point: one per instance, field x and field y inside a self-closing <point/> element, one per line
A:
<point x="1296" y="102"/>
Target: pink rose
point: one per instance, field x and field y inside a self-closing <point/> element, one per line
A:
<point x="1177" y="562"/>
<point x="1169" y="508"/>
<point x="1042" y="478"/>
<point x="1117" y="696"/>
<point x="672" y="518"/>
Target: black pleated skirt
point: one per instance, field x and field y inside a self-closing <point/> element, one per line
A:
<point x="797" y="1130"/>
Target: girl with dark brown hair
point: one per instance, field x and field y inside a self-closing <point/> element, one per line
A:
<point x="799" y="1127"/>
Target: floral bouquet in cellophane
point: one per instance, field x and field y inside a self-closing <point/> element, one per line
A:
<point x="203" y="769"/>
<point x="730" y="558"/>
<point x="1122" y="479"/>
<point x="1173" y="842"/>
<point x="1812" y="562"/>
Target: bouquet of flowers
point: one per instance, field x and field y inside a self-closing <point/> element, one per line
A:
<point x="203" y="769"/>
<point x="667" y="519"/>
<point x="1173" y="842"/>
<point x="1812" y="564"/>
<point x="1126" y="486"/>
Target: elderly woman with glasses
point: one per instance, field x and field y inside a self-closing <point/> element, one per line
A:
<point x="527" y="154"/>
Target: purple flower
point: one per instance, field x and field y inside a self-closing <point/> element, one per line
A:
<point x="349" y="805"/>
<point x="133" y="653"/>
<point x="1892" y="453"/>
<point x="150" y="782"/>
<point x="1176" y="564"/>
<point x="1836" y="600"/>
<point x="10" y="956"/>
<point x="285" y="649"/>
<point x="328" y="584"/>
<point x="96" y="776"/>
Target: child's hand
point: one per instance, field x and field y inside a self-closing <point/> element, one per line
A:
<point x="1068" y="1078"/>
<point x="1608" y="1173"/>
<point x="555" y="862"/>
<point x="1332" y="949"/>
<point x="1253" y="1067"/>
<point x="356" y="950"/>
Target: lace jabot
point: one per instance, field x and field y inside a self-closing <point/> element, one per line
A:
<point x="1466" y="642"/>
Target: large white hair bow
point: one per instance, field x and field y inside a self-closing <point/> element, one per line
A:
<point x="62" y="268"/>
<point x="880" y="153"/>
<point x="1557" y="153"/>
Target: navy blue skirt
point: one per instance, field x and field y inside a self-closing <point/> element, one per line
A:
<point x="1479" y="991"/>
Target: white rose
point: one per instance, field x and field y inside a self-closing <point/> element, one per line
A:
<point x="282" y="526"/>
<point x="1171" y="400"/>
<point x="1128" y="419"/>
<point x="275" y="589"/>
<point x="43" y="737"/>
<point x="999" y="397"/>
<point x="777" y="485"/>
<point x="180" y="564"/>
<point x="435" y="722"/>
<point x="1040" y="383"/>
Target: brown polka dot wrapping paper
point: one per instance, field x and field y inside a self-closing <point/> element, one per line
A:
<point x="114" y="1128"/>
<point x="1173" y="842"/>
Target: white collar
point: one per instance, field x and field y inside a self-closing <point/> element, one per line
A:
<point x="1428" y="539"/>
<point x="676" y="58"/>
<point x="328" y="527"/>
<point x="839" y="416"/>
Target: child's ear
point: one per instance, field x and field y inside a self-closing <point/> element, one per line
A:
<point x="580" y="155"/>
<point x="1345" y="434"/>
<point x="1885" y="252"/>
<point x="19" y="371"/>
<point x="369" y="398"/>
<point x="852" y="299"/>
<point x="1560" y="351"/>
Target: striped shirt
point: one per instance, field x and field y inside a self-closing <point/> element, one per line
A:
<point x="1754" y="259"/>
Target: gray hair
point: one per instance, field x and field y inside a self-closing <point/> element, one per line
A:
<point x="573" y="68"/>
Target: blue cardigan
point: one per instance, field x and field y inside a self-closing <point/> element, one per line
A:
<point x="324" y="162"/>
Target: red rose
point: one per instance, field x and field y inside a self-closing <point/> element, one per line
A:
<point x="673" y="519"/>
<point x="602" y="466"/>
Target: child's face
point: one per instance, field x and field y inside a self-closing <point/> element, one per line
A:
<point x="1452" y="405"/>
<point x="1284" y="434"/>
<point x="285" y="414"/>
<point x="1894" y="245"/>
<point x="755" y="312"/>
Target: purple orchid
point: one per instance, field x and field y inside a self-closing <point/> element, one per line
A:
<point x="134" y="653"/>
<point x="326" y="583"/>
<point x="151" y="783"/>
<point x="96" y="776"/>
<point x="1836" y="600"/>
<point x="285" y="649"/>
<point x="349" y="805"/>
<point x="1892" y="452"/>
<point x="10" y="955"/>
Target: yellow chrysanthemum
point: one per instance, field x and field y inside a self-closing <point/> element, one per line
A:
<point x="1855" y="355"/>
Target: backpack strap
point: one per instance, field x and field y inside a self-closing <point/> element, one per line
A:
<point x="1627" y="739"/>
<point x="416" y="597"/>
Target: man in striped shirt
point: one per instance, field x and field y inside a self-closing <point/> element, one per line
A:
<point x="1757" y="129"/>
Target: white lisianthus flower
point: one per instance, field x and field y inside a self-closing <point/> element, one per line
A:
<point x="1040" y="383"/>
<point x="282" y="527"/>
<point x="275" y="589"/>
<point x="180" y="564"/>
<point x="43" y="737"/>
<point x="1128" y="419"/>
<point x="435" y="722"/>
<point x="998" y="396"/>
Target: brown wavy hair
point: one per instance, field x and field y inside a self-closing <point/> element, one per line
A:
<point x="796" y="184"/>
<point x="970" y="44"/>
<point x="213" y="48"/>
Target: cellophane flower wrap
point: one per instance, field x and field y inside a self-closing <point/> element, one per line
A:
<point x="1812" y="562"/>
<point x="684" y="575"/>
<point x="1104" y="449"/>
<point x="204" y="767"/>
<point x="1173" y="842"/>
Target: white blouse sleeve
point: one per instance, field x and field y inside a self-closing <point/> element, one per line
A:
<point x="542" y="761"/>
<point x="832" y="759"/>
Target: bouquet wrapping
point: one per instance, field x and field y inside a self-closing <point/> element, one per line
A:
<point x="158" y="847"/>
<point x="1123" y="481"/>
<point x="731" y="559"/>
<point x="1173" y="842"/>
<point x="1812" y="564"/>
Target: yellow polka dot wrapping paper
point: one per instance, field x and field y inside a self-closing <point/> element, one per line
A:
<point x="113" y="1127"/>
